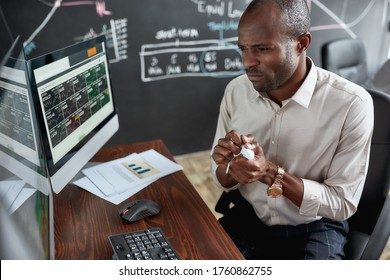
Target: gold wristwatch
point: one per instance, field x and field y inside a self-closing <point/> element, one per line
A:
<point x="276" y="189"/>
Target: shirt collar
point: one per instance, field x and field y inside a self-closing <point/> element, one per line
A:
<point x="305" y="91"/>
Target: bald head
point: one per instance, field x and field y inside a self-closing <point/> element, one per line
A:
<point x="295" y="15"/>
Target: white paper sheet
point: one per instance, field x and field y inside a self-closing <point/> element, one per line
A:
<point x="14" y="193"/>
<point x="119" y="179"/>
<point x="87" y="185"/>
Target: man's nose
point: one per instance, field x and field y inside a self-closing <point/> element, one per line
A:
<point x="249" y="59"/>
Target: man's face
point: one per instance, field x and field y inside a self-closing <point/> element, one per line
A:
<point x="269" y="56"/>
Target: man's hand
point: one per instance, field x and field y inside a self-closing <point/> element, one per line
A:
<point x="240" y="170"/>
<point x="226" y="148"/>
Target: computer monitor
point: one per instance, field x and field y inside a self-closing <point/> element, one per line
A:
<point x="26" y="204"/>
<point x="20" y="151"/>
<point x="74" y="103"/>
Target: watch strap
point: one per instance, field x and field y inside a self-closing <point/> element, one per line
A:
<point x="276" y="189"/>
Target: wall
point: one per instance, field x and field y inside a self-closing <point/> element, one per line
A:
<point x="364" y="19"/>
<point x="171" y="59"/>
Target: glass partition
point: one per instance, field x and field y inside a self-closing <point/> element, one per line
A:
<point x="26" y="230"/>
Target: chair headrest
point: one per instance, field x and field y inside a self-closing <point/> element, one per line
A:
<point x="347" y="58"/>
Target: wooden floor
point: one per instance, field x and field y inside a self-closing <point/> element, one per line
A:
<point x="197" y="169"/>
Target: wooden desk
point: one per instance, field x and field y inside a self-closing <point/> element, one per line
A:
<point x="83" y="221"/>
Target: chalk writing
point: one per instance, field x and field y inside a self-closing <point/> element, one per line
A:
<point x="116" y="37"/>
<point x="175" y="33"/>
<point x="221" y="8"/>
<point x="204" y="58"/>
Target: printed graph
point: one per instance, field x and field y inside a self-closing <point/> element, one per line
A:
<point x="140" y="168"/>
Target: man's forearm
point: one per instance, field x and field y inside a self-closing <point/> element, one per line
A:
<point x="224" y="179"/>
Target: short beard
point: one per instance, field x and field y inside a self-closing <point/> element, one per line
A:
<point x="282" y="76"/>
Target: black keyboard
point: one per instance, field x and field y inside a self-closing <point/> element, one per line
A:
<point x="148" y="244"/>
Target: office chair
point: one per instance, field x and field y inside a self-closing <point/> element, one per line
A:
<point x="370" y="225"/>
<point x="347" y="58"/>
<point x="381" y="80"/>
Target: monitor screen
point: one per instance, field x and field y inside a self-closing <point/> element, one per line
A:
<point x="75" y="106"/>
<point x="20" y="152"/>
<point x="16" y="129"/>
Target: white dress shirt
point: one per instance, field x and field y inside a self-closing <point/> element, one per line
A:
<point x="322" y="134"/>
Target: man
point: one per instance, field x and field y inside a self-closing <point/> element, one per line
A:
<point x="310" y="131"/>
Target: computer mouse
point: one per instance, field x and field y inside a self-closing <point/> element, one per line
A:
<point x="138" y="209"/>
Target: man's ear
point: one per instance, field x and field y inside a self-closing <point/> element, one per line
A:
<point x="304" y="41"/>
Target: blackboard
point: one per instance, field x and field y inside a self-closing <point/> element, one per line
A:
<point x="171" y="59"/>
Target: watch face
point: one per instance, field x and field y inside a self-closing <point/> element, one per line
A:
<point x="274" y="191"/>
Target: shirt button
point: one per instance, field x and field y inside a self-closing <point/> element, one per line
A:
<point x="273" y="141"/>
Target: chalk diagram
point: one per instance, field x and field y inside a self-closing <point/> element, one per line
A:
<point x="212" y="58"/>
<point x="116" y="38"/>
<point x="218" y="58"/>
<point x="339" y="23"/>
<point x="115" y="31"/>
<point x="175" y="57"/>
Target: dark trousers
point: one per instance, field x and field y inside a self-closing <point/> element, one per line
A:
<point x="322" y="239"/>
